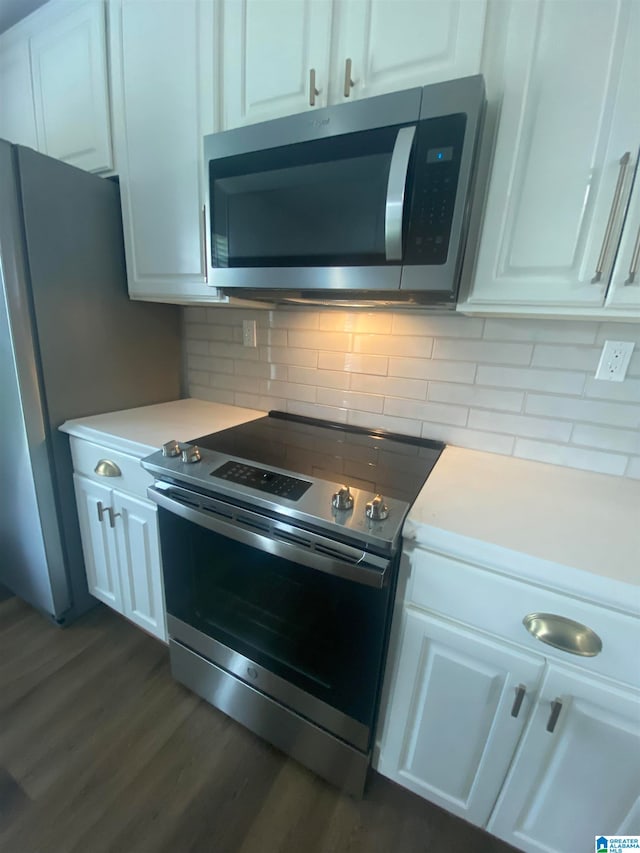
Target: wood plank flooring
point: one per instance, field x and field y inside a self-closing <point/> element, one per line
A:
<point x="100" y="751"/>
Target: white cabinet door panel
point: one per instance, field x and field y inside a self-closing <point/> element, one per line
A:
<point x="98" y="541"/>
<point x="582" y="779"/>
<point x="563" y="129"/>
<point x="17" y="116"/>
<point x="69" y="64"/>
<point x="397" y="44"/>
<point x="162" y="106"/>
<point x="450" y="732"/>
<point x="269" y="48"/>
<point x="624" y="291"/>
<point x="139" y="557"/>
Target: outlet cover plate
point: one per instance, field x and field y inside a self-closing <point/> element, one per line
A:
<point x="614" y="360"/>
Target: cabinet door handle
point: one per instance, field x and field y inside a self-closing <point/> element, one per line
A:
<point x="521" y="692"/>
<point x="617" y="195"/>
<point x="348" y="82"/>
<point x="635" y="257"/>
<point x="101" y="511"/>
<point x="556" y="707"/>
<point x="205" y="253"/>
<point x="112" y="516"/>
<point x="313" y="92"/>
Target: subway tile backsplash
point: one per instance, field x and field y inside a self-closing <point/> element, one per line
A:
<point x="516" y="387"/>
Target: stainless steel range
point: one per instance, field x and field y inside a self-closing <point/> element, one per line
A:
<point x="281" y="541"/>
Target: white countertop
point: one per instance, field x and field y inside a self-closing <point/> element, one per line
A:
<point x="564" y="518"/>
<point x="141" y="431"/>
<point x="560" y="527"/>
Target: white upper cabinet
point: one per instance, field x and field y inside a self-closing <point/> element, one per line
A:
<point x="271" y="49"/>
<point x="565" y="155"/>
<point x="54" y="92"/>
<point x="163" y="102"/>
<point x="70" y="85"/>
<point x="624" y="290"/>
<point x="17" y="116"/>
<point x="397" y="45"/>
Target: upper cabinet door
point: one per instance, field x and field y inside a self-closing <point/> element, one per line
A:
<point x="398" y="44"/>
<point x="624" y="291"/>
<point x="69" y="64"/>
<point x="163" y="60"/>
<point x="270" y="49"/>
<point x="17" y="117"/>
<point x="560" y="176"/>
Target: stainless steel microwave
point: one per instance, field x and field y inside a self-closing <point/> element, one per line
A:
<point x="359" y="203"/>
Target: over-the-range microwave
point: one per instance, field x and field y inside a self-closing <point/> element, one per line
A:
<point x="365" y="202"/>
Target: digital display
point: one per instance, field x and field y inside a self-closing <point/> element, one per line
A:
<point x="439" y="155"/>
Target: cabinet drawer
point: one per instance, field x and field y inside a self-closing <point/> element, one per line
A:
<point x="132" y="477"/>
<point x="497" y="604"/>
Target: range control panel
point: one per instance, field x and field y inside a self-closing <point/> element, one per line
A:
<point x="262" y="479"/>
<point x="438" y="156"/>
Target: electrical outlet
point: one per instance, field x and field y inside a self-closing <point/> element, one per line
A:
<point x="249" y="333"/>
<point x="614" y="360"/>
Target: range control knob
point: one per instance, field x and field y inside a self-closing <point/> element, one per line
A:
<point x="343" y="499"/>
<point x="191" y="453"/>
<point x="171" y="448"/>
<point x="376" y="509"/>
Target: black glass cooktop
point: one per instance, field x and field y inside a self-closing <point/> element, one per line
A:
<point x="393" y="465"/>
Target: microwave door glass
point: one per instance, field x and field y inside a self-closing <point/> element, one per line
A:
<point x="320" y="203"/>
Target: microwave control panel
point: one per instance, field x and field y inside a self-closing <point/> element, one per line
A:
<point x="436" y="168"/>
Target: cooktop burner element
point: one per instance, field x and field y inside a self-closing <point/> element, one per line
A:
<point x="357" y="483"/>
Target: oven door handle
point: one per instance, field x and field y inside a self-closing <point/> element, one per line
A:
<point x="323" y="554"/>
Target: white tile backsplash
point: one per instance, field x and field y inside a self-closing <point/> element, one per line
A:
<point x="518" y="387"/>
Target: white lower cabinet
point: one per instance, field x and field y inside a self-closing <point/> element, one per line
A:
<point x="578" y="777"/>
<point x="119" y="532"/>
<point x="539" y="746"/>
<point x="460" y="702"/>
<point x="98" y="541"/>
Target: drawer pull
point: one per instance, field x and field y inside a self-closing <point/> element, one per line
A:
<point x="521" y="692"/>
<point x="112" y="516"/>
<point x="563" y="634"/>
<point x="556" y="707"/>
<point x="107" y="468"/>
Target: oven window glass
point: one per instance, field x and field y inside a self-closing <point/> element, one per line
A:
<point x="324" y="634"/>
<point x="319" y="203"/>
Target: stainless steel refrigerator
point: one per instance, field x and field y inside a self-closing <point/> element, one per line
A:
<point x="71" y="344"/>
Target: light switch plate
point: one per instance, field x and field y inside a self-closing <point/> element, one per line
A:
<point x="249" y="337"/>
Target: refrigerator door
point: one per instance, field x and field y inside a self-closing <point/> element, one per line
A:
<point x="29" y="538"/>
<point x="98" y="351"/>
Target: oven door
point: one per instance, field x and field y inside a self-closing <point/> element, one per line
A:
<point x="310" y="639"/>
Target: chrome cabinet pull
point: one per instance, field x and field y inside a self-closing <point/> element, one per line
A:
<point x="396" y="186"/>
<point x="617" y="195"/>
<point x="112" y="516"/>
<point x="521" y="692"/>
<point x="313" y="92"/>
<point x="635" y="257"/>
<point x="348" y="82"/>
<point x="556" y="707"/>
<point x="107" y="468"/>
<point x="205" y="253"/>
<point x="101" y="511"/>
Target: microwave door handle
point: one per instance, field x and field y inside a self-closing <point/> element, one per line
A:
<point x="396" y="188"/>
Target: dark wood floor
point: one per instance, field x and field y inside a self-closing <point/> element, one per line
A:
<point x="101" y="751"/>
